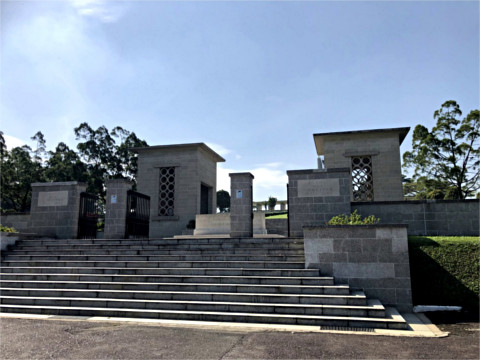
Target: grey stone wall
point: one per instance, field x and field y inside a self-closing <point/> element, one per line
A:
<point x="241" y="205"/>
<point x="427" y="217"/>
<point x="277" y="226"/>
<point x="373" y="258"/>
<point x="116" y="208"/>
<point x="384" y="147"/>
<point x="315" y="196"/>
<point x="18" y="221"/>
<point x="195" y="164"/>
<point x="55" y="209"/>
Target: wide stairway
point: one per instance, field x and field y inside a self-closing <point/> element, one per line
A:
<point x="259" y="280"/>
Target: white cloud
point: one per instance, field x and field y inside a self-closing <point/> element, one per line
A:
<point x="220" y="149"/>
<point x="12" y="142"/>
<point x="267" y="181"/>
<point x="105" y="11"/>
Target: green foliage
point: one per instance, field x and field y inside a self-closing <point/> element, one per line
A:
<point x="272" y="201"/>
<point x="191" y="225"/>
<point x="276" y="216"/>
<point x="7" y="229"/>
<point x="445" y="271"/>
<point x="223" y="200"/>
<point x="353" y="219"/>
<point x="446" y="160"/>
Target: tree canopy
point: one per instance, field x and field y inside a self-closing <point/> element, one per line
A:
<point x="223" y="200"/>
<point x="445" y="160"/>
<point x="100" y="154"/>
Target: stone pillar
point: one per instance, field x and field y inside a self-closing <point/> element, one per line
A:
<point x="116" y="208"/>
<point x="55" y="209"/>
<point x="241" y="205"/>
<point x="283" y="206"/>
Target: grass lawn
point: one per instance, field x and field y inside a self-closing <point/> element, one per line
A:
<point x="281" y="216"/>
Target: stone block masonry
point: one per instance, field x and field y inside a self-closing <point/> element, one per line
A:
<point x="427" y="217"/>
<point x="116" y="208"/>
<point x="55" y="209"/>
<point x="315" y="196"/>
<point x="241" y="205"/>
<point x="373" y="258"/>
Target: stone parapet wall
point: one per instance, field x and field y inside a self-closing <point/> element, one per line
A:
<point x="427" y="217"/>
<point x="19" y="222"/>
<point x="315" y="196"/>
<point x="369" y="257"/>
<point x="277" y="226"/>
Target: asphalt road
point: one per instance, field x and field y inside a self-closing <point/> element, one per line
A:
<point x="59" y="339"/>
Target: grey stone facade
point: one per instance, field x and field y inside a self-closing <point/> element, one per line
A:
<point x="20" y="222"/>
<point x="116" y="208"/>
<point x="372" y="257"/>
<point x="382" y="145"/>
<point x="55" y="209"/>
<point x="241" y="205"/>
<point x="315" y="196"/>
<point x="277" y="226"/>
<point x="195" y="174"/>
<point x="427" y="217"/>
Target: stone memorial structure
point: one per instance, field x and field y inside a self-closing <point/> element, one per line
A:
<point x="55" y="209"/>
<point x="241" y="205"/>
<point x="116" y="208"/>
<point x="181" y="181"/>
<point x="219" y="224"/>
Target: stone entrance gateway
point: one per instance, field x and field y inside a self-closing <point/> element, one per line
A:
<point x="181" y="181"/>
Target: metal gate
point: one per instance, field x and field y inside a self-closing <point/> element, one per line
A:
<point x="138" y="215"/>
<point x="88" y="217"/>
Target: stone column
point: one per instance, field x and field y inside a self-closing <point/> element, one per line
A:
<point x="116" y="208"/>
<point x="241" y="205"/>
<point x="55" y="209"/>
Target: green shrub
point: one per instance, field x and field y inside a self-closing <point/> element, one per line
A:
<point x="445" y="271"/>
<point x="353" y="219"/>
<point x="7" y="229"/>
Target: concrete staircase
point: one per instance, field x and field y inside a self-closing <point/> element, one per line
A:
<point x="259" y="280"/>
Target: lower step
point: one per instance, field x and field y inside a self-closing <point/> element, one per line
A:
<point x="315" y="320"/>
<point x="373" y="309"/>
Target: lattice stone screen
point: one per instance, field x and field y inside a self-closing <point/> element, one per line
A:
<point x="362" y="179"/>
<point x="166" y="194"/>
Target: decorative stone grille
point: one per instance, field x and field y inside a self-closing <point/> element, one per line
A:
<point x="166" y="194"/>
<point x="362" y="179"/>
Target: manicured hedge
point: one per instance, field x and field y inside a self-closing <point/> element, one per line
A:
<point x="445" y="271"/>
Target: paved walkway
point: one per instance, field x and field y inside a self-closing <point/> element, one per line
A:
<point x="72" y="339"/>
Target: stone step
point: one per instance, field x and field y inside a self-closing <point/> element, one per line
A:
<point x="316" y="320"/>
<point x="235" y="257"/>
<point x="165" y="271"/>
<point x="137" y="246"/>
<point x="356" y="298"/>
<point x="192" y="287"/>
<point x="39" y="250"/>
<point x="159" y="264"/>
<point x="171" y="278"/>
<point x="174" y="242"/>
<point x="372" y="309"/>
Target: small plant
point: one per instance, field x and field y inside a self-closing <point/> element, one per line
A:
<point x="191" y="225"/>
<point x="353" y="219"/>
<point x="7" y="229"/>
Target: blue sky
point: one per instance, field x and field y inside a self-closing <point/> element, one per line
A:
<point x="254" y="80"/>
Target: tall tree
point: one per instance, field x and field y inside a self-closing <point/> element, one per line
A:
<point x="448" y="157"/>
<point x="64" y="164"/>
<point x="223" y="200"/>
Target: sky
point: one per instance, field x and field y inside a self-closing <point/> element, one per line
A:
<point x="252" y="79"/>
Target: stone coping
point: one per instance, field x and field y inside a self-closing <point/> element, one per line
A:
<point x="242" y="174"/>
<point x="314" y="171"/>
<point x="186" y="146"/>
<point x="353" y="226"/>
<point x="62" y="183"/>
<point x="429" y="201"/>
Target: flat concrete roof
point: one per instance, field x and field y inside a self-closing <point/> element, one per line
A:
<point x="188" y="146"/>
<point x="319" y="138"/>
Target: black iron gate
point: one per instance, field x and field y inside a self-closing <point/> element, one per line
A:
<point x="88" y="217"/>
<point x="138" y="215"/>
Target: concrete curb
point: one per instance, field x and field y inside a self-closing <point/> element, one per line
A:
<point x="419" y="325"/>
